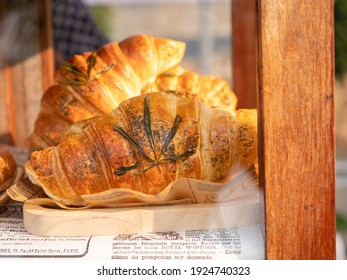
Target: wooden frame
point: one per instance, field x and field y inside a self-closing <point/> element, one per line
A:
<point x="295" y="58"/>
<point x="244" y="43"/>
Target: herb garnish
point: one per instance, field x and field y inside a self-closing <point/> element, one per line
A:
<point x="164" y="156"/>
<point x="77" y="77"/>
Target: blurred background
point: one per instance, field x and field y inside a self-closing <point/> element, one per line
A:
<point x="204" y="25"/>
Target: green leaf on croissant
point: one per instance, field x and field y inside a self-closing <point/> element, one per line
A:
<point x="148" y="126"/>
<point x="91" y="61"/>
<point x="131" y="139"/>
<point x="163" y="156"/>
<point x="75" y="76"/>
<point x="171" y="134"/>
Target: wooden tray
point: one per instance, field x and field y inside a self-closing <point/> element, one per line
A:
<point x="52" y="222"/>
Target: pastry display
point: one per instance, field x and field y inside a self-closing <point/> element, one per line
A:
<point x="95" y="83"/>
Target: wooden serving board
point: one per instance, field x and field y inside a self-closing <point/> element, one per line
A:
<point x="57" y="222"/>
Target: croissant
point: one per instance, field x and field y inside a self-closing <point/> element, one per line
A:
<point x="144" y="144"/>
<point x="212" y="91"/>
<point x="8" y="167"/>
<point x="91" y="84"/>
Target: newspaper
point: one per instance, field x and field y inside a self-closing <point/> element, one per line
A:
<point x="245" y="243"/>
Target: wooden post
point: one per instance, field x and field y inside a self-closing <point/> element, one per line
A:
<point x="26" y="65"/>
<point x="296" y="127"/>
<point x="244" y="49"/>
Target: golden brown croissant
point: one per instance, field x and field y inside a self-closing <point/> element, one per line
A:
<point x="212" y="91"/>
<point x="143" y="145"/>
<point x="91" y="84"/>
<point x="8" y="169"/>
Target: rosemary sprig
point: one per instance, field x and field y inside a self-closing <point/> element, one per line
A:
<point x="132" y="140"/>
<point x="148" y="126"/>
<point x="171" y="134"/>
<point x="158" y="158"/>
<point x="91" y="61"/>
<point x="168" y="74"/>
<point x="75" y="76"/>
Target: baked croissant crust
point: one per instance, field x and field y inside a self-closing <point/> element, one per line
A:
<point x="8" y="169"/>
<point x="145" y="144"/>
<point x="213" y="91"/>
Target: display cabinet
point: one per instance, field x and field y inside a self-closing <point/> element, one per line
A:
<point x="283" y="65"/>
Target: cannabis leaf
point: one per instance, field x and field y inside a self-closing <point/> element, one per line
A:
<point x="158" y="158"/>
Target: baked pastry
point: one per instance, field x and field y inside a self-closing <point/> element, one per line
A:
<point x="212" y="91"/>
<point x="8" y="173"/>
<point x="8" y="169"/>
<point x="144" y="144"/>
